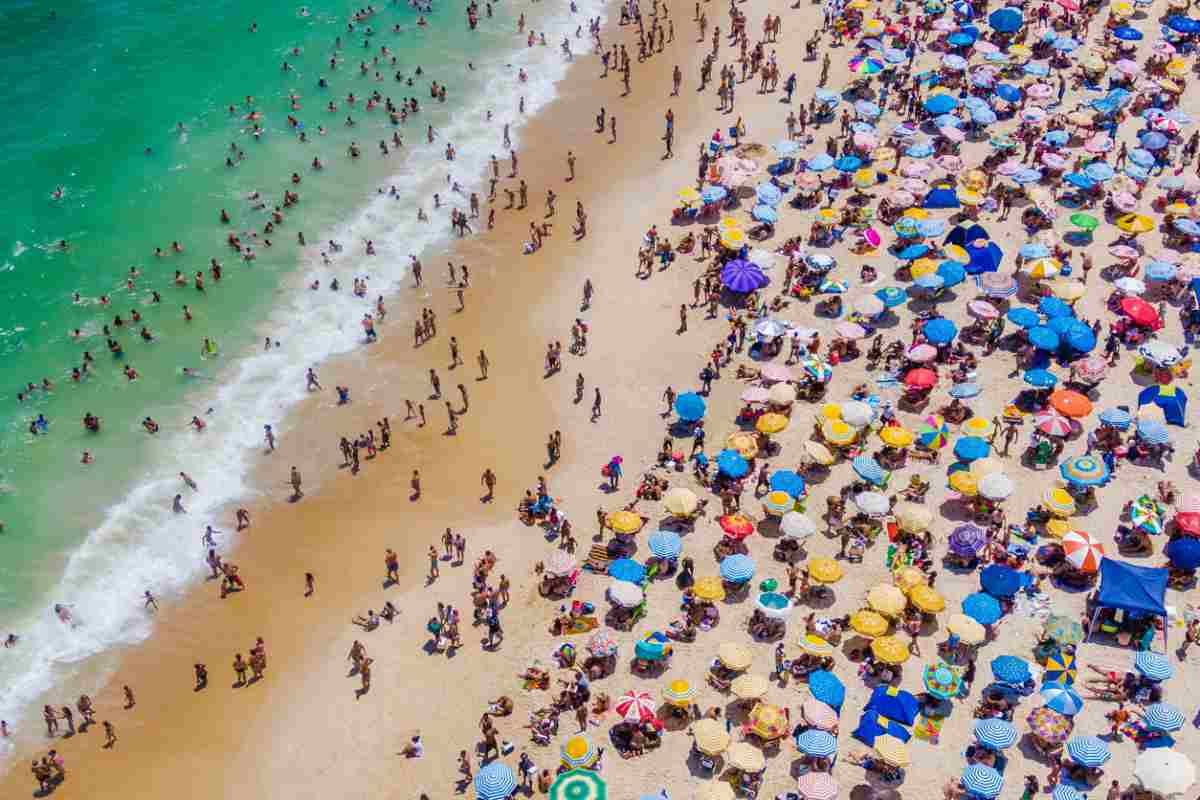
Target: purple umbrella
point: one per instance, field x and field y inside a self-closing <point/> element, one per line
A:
<point x="967" y="540"/>
<point x="743" y="276"/>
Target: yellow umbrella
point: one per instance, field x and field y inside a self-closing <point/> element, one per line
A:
<point x="887" y="599"/>
<point x="866" y="178"/>
<point x="881" y="154"/>
<point x="923" y="266"/>
<point x="715" y="790"/>
<point x="749" y="687"/>
<point x="1059" y="502"/>
<point x="896" y="436"/>
<point x="709" y="588"/>
<point x="858" y="5"/>
<point x="734" y="656"/>
<point x="828" y="214"/>
<point x="624" y="521"/>
<point x="681" y="501"/>
<point x="746" y="757"/>
<point x="818" y="453"/>
<point x="965" y="628"/>
<point x="889" y="650"/>
<point x="912" y="517"/>
<point x="729" y="224"/>
<point x="744" y="442"/>
<point x="986" y="466"/>
<point x="831" y="411"/>
<point x="873" y="27"/>
<point x="1020" y="51"/>
<point x="579" y="750"/>
<point x="678" y="693"/>
<point x="964" y="482"/>
<point x="1057" y="527"/>
<point x="710" y="737"/>
<point x="969" y="197"/>
<point x="734" y="239"/>
<point x="1176" y="66"/>
<point x="824" y="570"/>
<point x="1135" y="223"/>
<point x="908" y="577"/>
<point x="688" y="195"/>
<point x="771" y="423"/>
<point x="892" y="750"/>
<point x="926" y="598"/>
<point x="974" y="179"/>
<point x="1046" y="267"/>
<point x="916" y="213"/>
<point x="768" y="722"/>
<point x="956" y="252"/>
<point x="868" y="623"/>
<point x="838" y="432"/>
<point x="815" y="645"/>
<point x="1178" y="207"/>
<point x="778" y="502"/>
<point x="978" y="426"/>
<point x="1169" y="85"/>
<point x="1122" y="9"/>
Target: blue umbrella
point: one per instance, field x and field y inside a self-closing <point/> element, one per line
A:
<point x="1024" y="317"/>
<point x="1043" y="338"/>
<point x="1008" y="92"/>
<point x="912" y="251"/>
<point x="1161" y="270"/>
<point x="825" y="686"/>
<point x="1010" y="669"/>
<point x="921" y="149"/>
<point x="892" y="296"/>
<point x="982" y="781"/>
<point x="868" y="469"/>
<point x="848" y="163"/>
<point x="690" y="406"/>
<point x="495" y="781"/>
<point x="940" y="330"/>
<point x="1099" y="171"/>
<point x="1060" y="325"/>
<point x="820" y="163"/>
<point x="732" y="464"/>
<point x="941" y="104"/>
<point x="714" y="194"/>
<point x="985" y="258"/>
<point x="1154" y="140"/>
<point x="960" y="39"/>
<point x="1000" y="581"/>
<point x="1034" y="250"/>
<point x="1188" y="226"/>
<point x="930" y="281"/>
<point x="1142" y="157"/>
<point x="1053" y="307"/>
<point x="1182" y="24"/>
<point x="1079" y="336"/>
<point x="665" y="544"/>
<point x="626" y="569"/>
<point x="1006" y="20"/>
<point x="952" y="273"/>
<point x="1127" y="33"/>
<point x="1057" y="137"/>
<point x="743" y="276"/>
<point x="785" y="480"/>
<point x="1040" y="70"/>
<point x="1135" y="171"/>
<point x="1064" y="791"/>
<point x="1079" y="180"/>
<point x="768" y="193"/>
<point x="995" y="733"/>
<point x="981" y="607"/>
<point x="941" y="197"/>
<point x="1116" y="417"/>
<point x="1062" y="698"/>
<point x="764" y="213"/>
<point x="737" y="568"/>
<point x="964" y="390"/>
<point x="1163" y="717"/>
<point x="1041" y="378"/>
<point x="983" y="116"/>
<point x="1184" y="553"/>
<point x="947" y="121"/>
<point x="972" y="448"/>
<point x="1152" y="432"/>
<point x="1152" y="665"/>
<point x="1088" y="751"/>
<point x="816" y="742"/>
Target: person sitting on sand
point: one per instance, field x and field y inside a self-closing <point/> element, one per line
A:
<point x="502" y="706"/>
<point x="368" y="623"/>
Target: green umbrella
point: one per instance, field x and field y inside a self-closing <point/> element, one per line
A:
<point x="769" y="585"/>
<point x="1085" y="221"/>
<point x="579" y="784"/>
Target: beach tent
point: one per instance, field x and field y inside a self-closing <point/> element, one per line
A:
<point x="1170" y="399"/>
<point x="1140" y="590"/>
<point x="895" y="704"/>
<point x="873" y="725"/>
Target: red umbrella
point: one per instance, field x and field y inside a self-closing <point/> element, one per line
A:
<point x="736" y="526"/>
<point x="636" y="706"/>
<point x="1140" y="312"/>
<point x="921" y="378"/>
<point x="1188" y="522"/>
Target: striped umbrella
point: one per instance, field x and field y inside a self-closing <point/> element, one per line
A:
<point x="737" y="568"/>
<point x="1066" y="792"/>
<point x="1152" y="432"/>
<point x="636" y="706"/>
<point x="1062" y="698"/>
<point x="1154" y="666"/>
<point x="868" y="469"/>
<point x="941" y="681"/>
<point x="578" y="751"/>
<point x="813" y="742"/>
<point x="665" y="544"/>
<point x="933" y="432"/>
<point x="1163" y="717"/>
<point x="1088" y="751"/>
<point x="579" y="784"/>
<point x="1060" y="668"/>
<point x="778" y="503"/>
<point x="817" y="786"/>
<point x="1082" y="550"/>
<point x="995" y="733"/>
<point x="679" y="693"/>
<point x="982" y="781"/>
<point x="495" y="781"/>
<point x="1084" y="470"/>
<point x="818" y="714"/>
<point x="1052" y="423"/>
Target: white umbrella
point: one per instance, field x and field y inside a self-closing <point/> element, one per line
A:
<point x="626" y="594"/>
<point x="1165" y="772"/>
<point x="796" y="525"/>
<point x="559" y="563"/>
<point x="856" y="413"/>
<point x="996" y="486"/>
<point x="872" y="503"/>
<point x="770" y="328"/>
<point x="1160" y="353"/>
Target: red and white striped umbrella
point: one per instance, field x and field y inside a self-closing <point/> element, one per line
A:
<point x="817" y="786"/>
<point x="636" y="706"/>
<point x="1082" y="550"/>
<point x="1053" y="424"/>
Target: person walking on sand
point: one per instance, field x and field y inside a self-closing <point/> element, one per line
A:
<point x="295" y="481"/>
<point x="482" y="359"/>
<point x="433" y="564"/>
<point x="489" y="481"/>
<point x="391" y="563"/>
<point x="130" y="702"/>
<point x="110" y="735"/>
<point x="682" y="319"/>
<point x="596" y="405"/>
<point x="436" y="383"/>
<point x="310" y="584"/>
<point x="455" y="358"/>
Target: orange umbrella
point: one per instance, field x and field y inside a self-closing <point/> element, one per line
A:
<point x="737" y="526"/>
<point x="1070" y="403"/>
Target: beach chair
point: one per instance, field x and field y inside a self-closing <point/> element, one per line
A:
<point x="598" y="559"/>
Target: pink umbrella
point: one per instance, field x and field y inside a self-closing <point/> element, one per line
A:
<point x="1039" y="91"/>
<point x="636" y="706"/>
<point x="872" y="237"/>
<point x="1126" y="66"/>
<point x="950" y="163"/>
<point x="866" y="141"/>
<point x="849" y="330"/>
<point x="808" y="180"/>
<point x="1123" y="251"/>
<point x="985" y="47"/>
<point x="1054" y="161"/>
<point x="1052" y="423"/>
<point x="914" y="169"/>
<point x="755" y="394"/>
<point x="1124" y="200"/>
<point x="1166" y="125"/>
<point x="952" y="133"/>
<point x="902" y="198"/>
<point x="1090" y="368"/>
<point x="922" y="353"/>
<point x="997" y="284"/>
<point x="1164" y="48"/>
<point x="817" y="786"/>
<point x="982" y="309"/>
<point x="944" y="25"/>
<point x="1069" y="5"/>
<point x="1100" y="143"/>
<point x="1010" y="167"/>
<point x="914" y="185"/>
<point x="776" y="373"/>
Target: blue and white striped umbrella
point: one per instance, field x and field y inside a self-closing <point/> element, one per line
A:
<point x="1161" y="271"/>
<point x="1163" y="717"/>
<point x="1066" y="792"/>
<point x="737" y="568"/>
<point x="1088" y="751"/>
<point x="982" y="781"/>
<point x="1154" y="433"/>
<point x="995" y="733"/>
<point x="868" y="469"/>
<point x="665" y="544"/>
<point x="1117" y="418"/>
<point x="495" y="781"/>
<point x="1062" y="698"/>
<point x="814" y="742"/>
<point x="1154" y="666"/>
<point x="1010" y="669"/>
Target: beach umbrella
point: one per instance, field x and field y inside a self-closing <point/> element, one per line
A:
<point x="710" y="737"/>
<point x="824" y="570"/>
<point x="1152" y="432"/>
<point x="1049" y="725"/>
<point x="892" y="296"/>
<point x="933" y="432"/>
<point x="495" y="781"/>
<point x="734" y="656"/>
<point x="1070" y="403"/>
<point x="869" y="469"/>
<point x="982" y="607"/>
<point x="1168" y="773"/>
<point x="690" y="406"/>
<point x="746" y="757"/>
<point x="581" y="784"/>
<point x="786" y="480"/>
<point x="796" y="525"/>
<point x="1006" y="20"/>
<point x="1024" y="317"/>
<point x="635" y="706"/>
<point x="736" y="526"/>
<point x="941" y="103"/>
<point x="778" y="503"/>
<point x="817" y="743"/>
<point x="896" y="436"/>
<point x="827" y="688"/>
<point x="818" y="714"/>
<point x="869" y="623"/>
<point x="1160" y="353"/>
<point x="665" y="544"/>
<point x="966" y="629"/>
<point x="1088" y="751"/>
<point x="970" y="448"/>
<point x="964" y="482"/>
<point x="768" y="721"/>
<point x="889" y="650"/>
<point x="749" y="687"/>
<point x="856" y="413"/>
<point x="743" y="276"/>
<point x="626" y="594"/>
<point x="996" y="486"/>
<point x="602" y="644"/>
<point x="1062" y="698"/>
<point x="1163" y="717"/>
<point x="1135" y="223"/>
<point x="1053" y="307"/>
<point x="626" y="569"/>
<point x="819" y="452"/>
<point x="579" y="751"/>
<point x="681" y="501"/>
<point x="678" y="693"/>
<point x="1010" y="669"/>
<point x="871" y="503"/>
<point x="1053" y="424"/>
<point x="1000" y="581"/>
<point x="982" y="781"/>
<point x="1060" y="668"/>
<point x="1184" y="553"/>
<point x="940" y="330"/>
<point x="1152" y="665"/>
<point x="560" y="563"/>
<point x="737" y="568"/>
<point x="774" y="605"/>
<point x="891" y="749"/>
<point x="1041" y="378"/>
<point x="967" y="540"/>
<point x="768" y="193"/>
<point x="941" y="681"/>
<point x="1059" y="501"/>
<point x="817" y="786"/>
<point x="887" y="599"/>
<point x="995" y="733"/>
<point x="732" y="463"/>
<point x="771" y="423"/>
<point x="1084" y="470"/>
<point x="709" y="588"/>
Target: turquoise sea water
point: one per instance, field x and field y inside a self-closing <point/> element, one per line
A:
<point x="88" y="90"/>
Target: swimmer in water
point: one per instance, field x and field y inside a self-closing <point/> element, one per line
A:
<point x="63" y="612"/>
<point x="188" y="480"/>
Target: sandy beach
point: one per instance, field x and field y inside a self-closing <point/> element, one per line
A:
<point x="304" y="731"/>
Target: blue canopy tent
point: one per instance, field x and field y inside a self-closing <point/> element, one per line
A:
<point x="960" y="235"/>
<point x="895" y="704"/>
<point x="1170" y="399"/>
<point x="873" y="725"/>
<point x="1139" y="590"/>
<point x="984" y="259"/>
